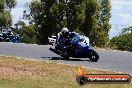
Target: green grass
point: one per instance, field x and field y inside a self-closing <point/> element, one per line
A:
<point x="20" y="73"/>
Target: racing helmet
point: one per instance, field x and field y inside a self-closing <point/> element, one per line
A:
<point x="9" y="31"/>
<point x="64" y="30"/>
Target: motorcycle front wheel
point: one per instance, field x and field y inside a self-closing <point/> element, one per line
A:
<point x="65" y="55"/>
<point x="93" y="56"/>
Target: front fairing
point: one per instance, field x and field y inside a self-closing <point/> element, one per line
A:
<point x="81" y="41"/>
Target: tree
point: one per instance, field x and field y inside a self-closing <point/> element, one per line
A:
<point x="122" y="42"/>
<point x="43" y="19"/>
<point x="103" y="25"/>
<point x="5" y="16"/>
<point x="75" y="14"/>
<point x="20" y="24"/>
<point x="27" y="33"/>
<point x="9" y="4"/>
<point x="90" y="21"/>
<point x="127" y="30"/>
<point x="5" y="20"/>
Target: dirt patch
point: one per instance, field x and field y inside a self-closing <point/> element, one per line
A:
<point x="14" y="68"/>
<point x="17" y="73"/>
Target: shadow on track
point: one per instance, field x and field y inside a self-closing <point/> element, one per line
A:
<point x="60" y="58"/>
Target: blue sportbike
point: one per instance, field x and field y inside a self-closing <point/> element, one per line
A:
<point x="77" y="46"/>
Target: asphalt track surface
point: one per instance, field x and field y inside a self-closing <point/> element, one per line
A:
<point x="119" y="61"/>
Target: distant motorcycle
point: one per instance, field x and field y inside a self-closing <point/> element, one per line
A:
<point x="1" y="38"/>
<point x="9" y="38"/>
<point x="79" y="47"/>
<point x="15" y="39"/>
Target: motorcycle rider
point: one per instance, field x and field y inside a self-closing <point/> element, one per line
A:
<point x="60" y="36"/>
<point x="62" y="33"/>
<point x="5" y="37"/>
<point x="66" y="35"/>
<point x="9" y="33"/>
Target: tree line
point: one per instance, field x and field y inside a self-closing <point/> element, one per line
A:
<point x="89" y="17"/>
<point x="123" y="41"/>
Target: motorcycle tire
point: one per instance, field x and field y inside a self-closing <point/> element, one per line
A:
<point x="93" y="56"/>
<point x="65" y="56"/>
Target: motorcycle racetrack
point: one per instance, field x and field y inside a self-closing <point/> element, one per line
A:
<point x="119" y="61"/>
